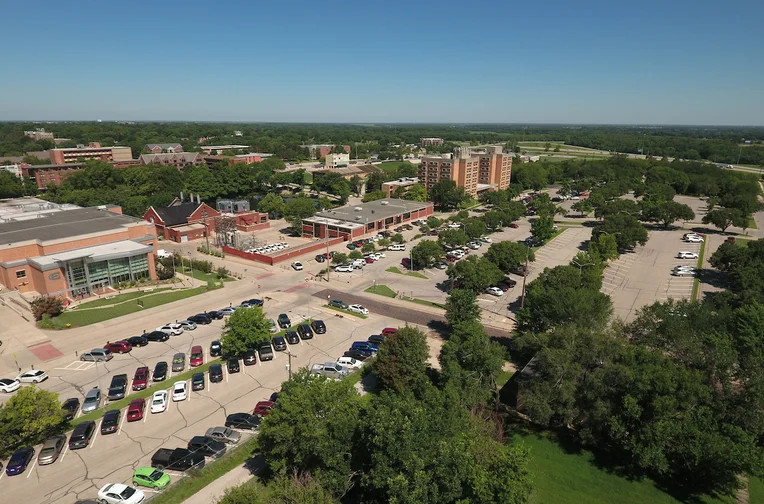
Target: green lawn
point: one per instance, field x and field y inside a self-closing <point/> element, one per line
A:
<point x="382" y="290"/>
<point x="414" y="274"/>
<point x="390" y="166"/>
<point x="752" y="223"/>
<point x="503" y="378"/>
<point x="201" y="275"/>
<point x="573" y="478"/>
<point x="346" y="312"/>
<point x="755" y="491"/>
<point x="424" y="302"/>
<point x="394" y="270"/>
<point x="83" y="317"/>
<point x="696" y="281"/>
<point x="119" y="298"/>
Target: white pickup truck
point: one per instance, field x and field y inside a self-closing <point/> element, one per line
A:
<point x="330" y="369"/>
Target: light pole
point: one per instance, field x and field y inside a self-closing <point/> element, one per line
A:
<point x="289" y="364"/>
<point x="581" y="266"/>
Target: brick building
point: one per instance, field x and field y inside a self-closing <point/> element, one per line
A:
<point x="93" y="151"/>
<point x="73" y="253"/>
<point x="181" y="222"/>
<point x="179" y="160"/>
<point x="352" y="222"/>
<point x="317" y="151"/>
<point x="53" y="174"/>
<point x="476" y="171"/>
<point x="162" y="148"/>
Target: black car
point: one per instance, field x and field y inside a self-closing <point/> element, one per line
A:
<point x="71" y="407"/>
<point x="160" y="371"/>
<point x="214" y="314"/>
<point x="250" y="358"/>
<point x="216" y="349"/>
<point x="253" y="302"/>
<point x="233" y="366"/>
<point x="284" y="321"/>
<point x="318" y="326"/>
<point x="274" y="397"/>
<point x="110" y="422"/>
<point x="242" y="421"/>
<point x="197" y="381"/>
<point x="320" y="258"/>
<point x="207" y="446"/>
<point x="292" y="337"/>
<point x="138" y="341"/>
<point x="360" y="355"/>
<point x="376" y="339"/>
<point x="279" y="344"/>
<point x="81" y="435"/>
<point x="216" y="373"/>
<point x="156" y="336"/>
<point x="200" y="318"/>
<point x="305" y="331"/>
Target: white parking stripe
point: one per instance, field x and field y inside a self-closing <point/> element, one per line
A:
<point x="62" y="455"/>
<point x="31" y="468"/>
<point x="121" y="423"/>
<point x="95" y="436"/>
<point x="225" y="373"/>
<point x="189" y="391"/>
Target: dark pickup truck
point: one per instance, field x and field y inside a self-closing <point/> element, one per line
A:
<point x="118" y="387"/>
<point x="179" y="459"/>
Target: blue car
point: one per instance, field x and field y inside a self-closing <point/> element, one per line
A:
<point x="364" y="345"/>
<point x="19" y="461"/>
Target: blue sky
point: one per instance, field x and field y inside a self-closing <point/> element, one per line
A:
<point x="654" y="62"/>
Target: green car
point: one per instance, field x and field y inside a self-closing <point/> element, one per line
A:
<point x="150" y="477"/>
<point x="338" y="304"/>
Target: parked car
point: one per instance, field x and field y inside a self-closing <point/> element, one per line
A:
<point x="233" y="366"/>
<point x="19" y="461"/>
<point x="197" y="381"/>
<point x="349" y="362"/>
<point x="117" y="493"/>
<point x="242" y="421"/>
<point x="344" y="268"/>
<point x="266" y="351"/>
<point x="389" y="331"/>
<point x="97" y="355"/>
<point x="70" y="407"/>
<point x="33" y="376"/>
<point x="51" y="449"/>
<point x="159" y="336"/>
<point x="92" y="400"/>
<point x="336" y="303"/>
<point x="318" y="326"/>
<point x="223" y="434"/>
<point x="284" y="321"/>
<point x="151" y="478"/>
<point x="179" y="459"/>
<point x="297" y="266"/>
<point x="356" y="308"/>
<point x="197" y="356"/>
<point x="376" y="339"/>
<point x="214" y="314"/>
<point x="494" y="291"/>
<point x="138" y="341"/>
<point x="9" y="385"/>
<point x="136" y="409"/>
<point x="110" y="421"/>
<point x="117" y="387"/>
<point x="694" y="239"/>
<point x="305" y="331"/>
<point x="81" y="435"/>
<point x="187" y="325"/>
<point x="171" y="329"/>
<point x="263" y="408"/>
<point x="119" y="347"/>
<point x="200" y="318"/>
<point x="687" y="255"/>
<point x="207" y="446"/>
<point x="216" y="373"/>
<point x="292" y="337"/>
<point x="141" y="378"/>
<point x="364" y="346"/>
<point x="520" y="270"/>
<point x="358" y="354"/>
<point x="253" y="302"/>
<point x="179" y="391"/>
<point x="513" y="225"/>
<point x="178" y="362"/>
<point x="216" y="349"/>
<point x="159" y="402"/>
<point x="279" y="344"/>
<point x="227" y="311"/>
<point x="160" y="372"/>
<point x="249" y="358"/>
<point x="320" y="258"/>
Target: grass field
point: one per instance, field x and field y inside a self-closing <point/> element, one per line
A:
<point x="560" y="477"/>
<point x="119" y="298"/>
<point x="201" y="275"/>
<point x="390" y="166"/>
<point x="755" y="491"/>
<point x="346" y="312"/>
<point x="382" y="290"/>
<point x="83" y="317"/>
<point x="398" y="271"/>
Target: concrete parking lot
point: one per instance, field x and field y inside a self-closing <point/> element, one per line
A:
<point x="643" y="277"/>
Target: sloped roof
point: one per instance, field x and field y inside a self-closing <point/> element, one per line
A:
<point x="164" y="145"/>
<point x="178" y="214"/>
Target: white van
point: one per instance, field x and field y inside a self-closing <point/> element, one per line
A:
<point x="397" y="246"/>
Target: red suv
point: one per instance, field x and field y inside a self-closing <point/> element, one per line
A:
<point x="389" y="331"/>
<point x="136" y="409"/>
<point x="141" y="378"/>
<point x="118" y="346"/>
<point x="197" y="356"/>
<point x="263" y="408"/>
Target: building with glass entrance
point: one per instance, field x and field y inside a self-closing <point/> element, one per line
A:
<point x="76" y="253"/>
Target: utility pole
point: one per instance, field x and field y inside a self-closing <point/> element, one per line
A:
<point x="206" y="229"/>
<point x="327" y="256"/>
<point x="522" y="300"/>
<point x="289" y="365"/>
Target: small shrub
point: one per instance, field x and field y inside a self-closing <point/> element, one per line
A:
<point x="222" y="272"/>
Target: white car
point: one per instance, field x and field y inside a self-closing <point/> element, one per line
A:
<point x="344" y="268"/>
<point x="117" y="493"/>
<point x="684" y="267"/>
<point x="171" y="329"/>
<point x="454" y="225"/>
<point x="687" y="255"/>
<point x="349" y="362"/>
<point x="494" y="291"/>
<point x="379" y="255"/>
<point x="9" y="385"/>
<point x="356" y="308"/>
<point x="683" y="272"/>
<point x="575" y="198"/>
<point x="33" y="376"/>
<point x="486" y="239"/>
<point x="694" y="239"/>
<point x="474" y="245"/>
<point x="159" y="402"/>
<point x="179" y="391"/>
<point x="297" y="266"/>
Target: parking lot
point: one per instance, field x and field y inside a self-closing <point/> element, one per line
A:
<point x="643" y="277"/>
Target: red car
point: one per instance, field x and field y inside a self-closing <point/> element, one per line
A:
<point x="118" y="346"/>
<point x="141" y="378"/>
<point x="514" y="226"/>
<point x="369" y="260"/>
<point x="136" y="409"/>
<point x="389" y="331"/>
<point x="584" y="194"/>
<point x="197" y="356"/>
<point x="263" y="408"/>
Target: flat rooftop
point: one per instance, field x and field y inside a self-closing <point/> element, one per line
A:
<point x="116" y="250"/>
<point x="61" y="225"/>
<point x="373" y="211"/>
<point x="29" y="208"/>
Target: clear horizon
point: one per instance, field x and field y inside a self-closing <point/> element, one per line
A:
<point x="680" y="63"/>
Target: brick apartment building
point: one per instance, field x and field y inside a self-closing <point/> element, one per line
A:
<point x="161" y="148"/>
<point x="179" y="159"/>
<point x="431" y="141"/>
<point x="93" y="151"/>
<point x="318" y="151"/>
<point x="476" y="171"/>
<point x="71" y="252"/>
<point x="53" y="174"/>
<point x="251" y="157"/>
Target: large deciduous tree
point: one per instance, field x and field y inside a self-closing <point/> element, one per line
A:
<point x="542" y="227"/>
<point x="508" y="255"/>
<point x="627" y="229"/>
<point x="446" y="195"/>
<point x="244" y="330"/>
<point x="461" y="307"/>
<point x="27" y="418"/>
<point x="726" y="217"/>
<point x="272" y="204"/>
<point x="475" y="273"/>
<point x="666" y="212"/>
<point x="402" y="360"/>
<point x="426" y="253"/>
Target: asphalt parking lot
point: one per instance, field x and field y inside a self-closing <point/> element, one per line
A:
<point x="113" y="458"/>
<point x="643" y="277"/>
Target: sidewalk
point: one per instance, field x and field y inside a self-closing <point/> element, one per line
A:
<point x="215" y="490"/>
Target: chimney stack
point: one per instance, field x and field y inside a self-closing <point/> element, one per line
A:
<point x="198" y="200"/>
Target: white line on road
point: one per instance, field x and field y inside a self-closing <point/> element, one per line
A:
<point x="62" y="456"/>
<point x="225" y="372"/>
<point x="31" y="468"/>
<point x="121" y="423"/>
<point x="189" y="391"/>
<point x="95" y="436"/>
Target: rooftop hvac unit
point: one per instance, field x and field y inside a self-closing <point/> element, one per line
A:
<point x="385" y="202"/>
<point x="358" y="209"/>
<point x="357" y="217"/>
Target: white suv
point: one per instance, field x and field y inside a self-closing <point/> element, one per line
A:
<point x="687" y="255"/>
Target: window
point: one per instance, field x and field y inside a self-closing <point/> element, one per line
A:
<point x="21" y="274"/>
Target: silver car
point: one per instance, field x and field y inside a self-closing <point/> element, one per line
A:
<point x="51" y="449"/>
<point x="187" y="325"/>
<point x="224" y="434"/>
<point x="97" y="355"/>
<point x="92" y="400"/>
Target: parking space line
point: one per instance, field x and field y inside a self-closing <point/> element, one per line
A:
<point x="32" y="468"/>
<point x="121" y="423"/>
<point x="225" y="372"/>
<point x="62" y="455"/>
<point x="95" y="436"/>
<point x="189" y="391"/>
